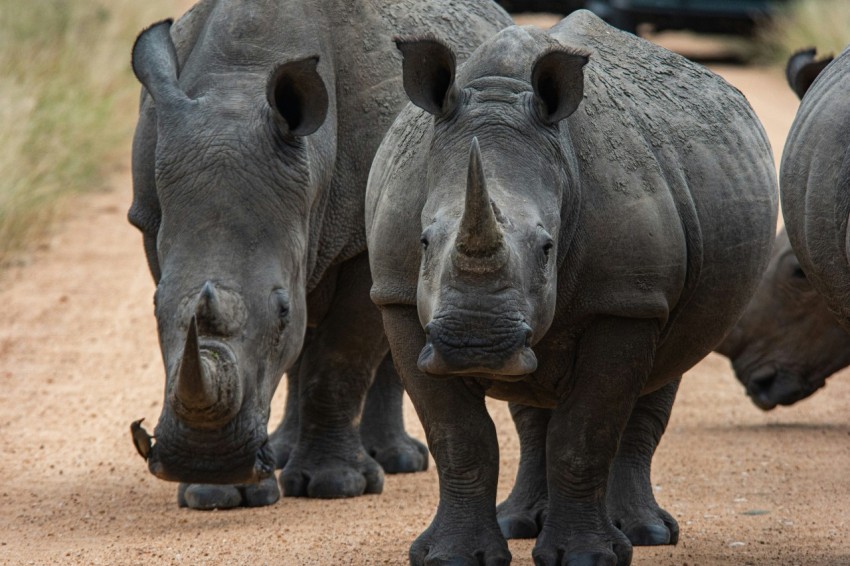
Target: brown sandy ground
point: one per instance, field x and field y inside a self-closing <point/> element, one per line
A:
<point x="79" y="360"/>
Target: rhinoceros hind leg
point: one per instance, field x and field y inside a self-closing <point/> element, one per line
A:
<point x="523" y="513"/>
<point x="631" y="502"/>
<point x="205" y="497"/>
<point x="382" y="428"/>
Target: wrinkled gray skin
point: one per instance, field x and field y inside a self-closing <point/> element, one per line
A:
<point x="815" y="186"/>
<point x="787" y="342"/>
<point x="259" y="120"/>
<point x="569" y="237"/>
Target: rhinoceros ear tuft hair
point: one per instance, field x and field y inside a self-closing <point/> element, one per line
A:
<point x="154" y="62"/>
<point x="558" y="82"/>
<point x="297" y="94"/>
<point x="428" y="73"/>
<point x="802" y="69"/>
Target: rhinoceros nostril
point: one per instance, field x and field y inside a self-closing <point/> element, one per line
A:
<point x="529" y="334"/>
<point x="762" y="384"/>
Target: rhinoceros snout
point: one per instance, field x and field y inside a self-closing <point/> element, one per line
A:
<point x="250" y="469"/>
<point x="769" y="389"/>
<point x="500" y="353"/>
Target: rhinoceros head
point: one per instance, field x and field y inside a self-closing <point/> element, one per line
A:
<point x="233" y="185"/>
<point x="496" y="178"/>
<point x="787" y="342"/>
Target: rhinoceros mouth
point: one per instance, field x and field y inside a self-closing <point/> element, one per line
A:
<point x="769" y="387"/>
<point x="505" y="355"/>
<point x="234" y="454"/>
<point x="248" y="468"/>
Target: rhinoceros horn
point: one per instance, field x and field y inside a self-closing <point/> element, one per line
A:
<point x="209" y="308"/>
<point x="194" y="389"/>
<point x="479" y="239"/>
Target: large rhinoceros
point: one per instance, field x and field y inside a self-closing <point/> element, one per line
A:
<point x="569" y="221"/>
<point x="259" y="120"/>
<point x="815" y="185"/>
<point x="787" y="343"/>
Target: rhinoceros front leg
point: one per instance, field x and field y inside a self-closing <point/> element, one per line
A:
<point x="382" y="428"/>
<point x="523" y="513"/>
<point x="462" y="439"/>
<point x="335" y="370"/>
<point x="631" y="502"/>
<point x="613" y="360"/>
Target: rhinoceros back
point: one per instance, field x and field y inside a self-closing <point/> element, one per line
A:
<point x="662" y="140"/>
<point x="815" y="175"/>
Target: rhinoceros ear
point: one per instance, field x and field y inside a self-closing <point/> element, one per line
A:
<point x="428" y="72"/>
<point x="802" y="69"/>
<point x="558" y="82"/>
<point x="297" y="93"/>
<point x="154" y="63"/>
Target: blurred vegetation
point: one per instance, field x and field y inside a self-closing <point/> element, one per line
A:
<point x="67" y="103"/>
<point x="824" y="24"/>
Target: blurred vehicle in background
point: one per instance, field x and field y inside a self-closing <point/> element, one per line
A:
<point x="553" y="6"/>
<point x="707" y="16"/>
<point x="738" y="17"/>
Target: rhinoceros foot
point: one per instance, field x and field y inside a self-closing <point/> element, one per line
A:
<point x="647" y="525"/>
<point x="397" y="453"/>
<point x="205" y="497"/>
<point x="323" y="475"/>
<point x="607" y="547"/>
<point x="444" y="543"/>
<point x="522" y="515"/>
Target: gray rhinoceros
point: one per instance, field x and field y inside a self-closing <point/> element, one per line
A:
<point x="815" y="185"/>
<point x="569" y="221"/>
<point x="259" y="120"/>
<point x="787" y="342"/>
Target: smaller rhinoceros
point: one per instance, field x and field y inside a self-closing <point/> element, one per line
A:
<point x="787" y="342"/>
<point x="569" y="221"/>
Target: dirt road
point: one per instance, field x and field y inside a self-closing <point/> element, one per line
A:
<point x="79" y="361"/>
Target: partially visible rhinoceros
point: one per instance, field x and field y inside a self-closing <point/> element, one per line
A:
<point x="787" y="342"/>
<point x="569" y="221"/>
<point x="815" y="185"/>
<point x="258" y="123"/>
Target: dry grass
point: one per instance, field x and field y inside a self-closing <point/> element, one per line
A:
<point x="824" y="24"/>
<point x="67" y="103"/>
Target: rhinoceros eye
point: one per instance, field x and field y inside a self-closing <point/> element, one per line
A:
<point x="547" y="247"/>
<point x="798" y="273"/>
<point x="281" y="304"/>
